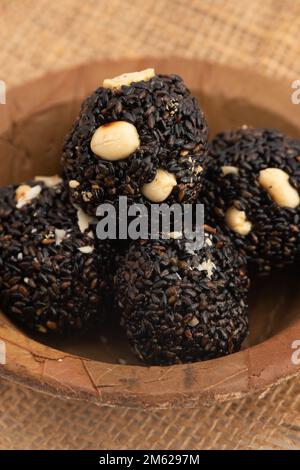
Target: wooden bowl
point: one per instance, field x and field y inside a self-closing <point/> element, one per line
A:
<point x="32" y="126"/>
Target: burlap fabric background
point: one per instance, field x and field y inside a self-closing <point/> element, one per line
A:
<point x="37" y="36"/>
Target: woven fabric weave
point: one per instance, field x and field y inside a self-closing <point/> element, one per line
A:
<point x="30" y="420"/>
<point x="37" y="37"/>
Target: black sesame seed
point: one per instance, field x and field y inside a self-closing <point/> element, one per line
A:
<point x="274" y="239"/>
<point x="57" y="288"/>
<point x="195" y="315"/>
<point x="168" y="120"/>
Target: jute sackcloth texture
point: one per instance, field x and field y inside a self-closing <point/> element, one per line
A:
<point x="36" y="37"/>
<point x="30" y="420"/>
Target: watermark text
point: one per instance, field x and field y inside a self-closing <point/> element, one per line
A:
<point x="2" y="92"/>
<point x="2" y="353"/>
<point x="155" y="221"/>
<point x="295" y="359"/>
<point x="296" y="94"/>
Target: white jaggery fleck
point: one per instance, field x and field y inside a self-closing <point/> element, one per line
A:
<point x="74" y="184"/>
<point x="174" y="235"/>
<point x="208" y="240"/>
<point x="84" y="220"/>
<point x="208" y="266"/>
<point x="32" y="193"/>
<point x="194" y="322"/>
<point x="229" y="170"/>
<point x="60" y="235"/>
<point x="86" y="249"/>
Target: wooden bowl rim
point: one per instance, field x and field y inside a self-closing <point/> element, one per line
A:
<point x="48" y="370"/>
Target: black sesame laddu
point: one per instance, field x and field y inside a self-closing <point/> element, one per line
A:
<point x="140" y="135"/>
<point x="251" y="191"/>
<point x="179" y="305"/>
<point x="52" y="279"/>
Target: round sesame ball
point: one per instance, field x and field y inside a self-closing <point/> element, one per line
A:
<point x="52" y="277"/>
<point x="129" y="136"/>
<point x="251" y="191"/>
<point x="178" y="305"/>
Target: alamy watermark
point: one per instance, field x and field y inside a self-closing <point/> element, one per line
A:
<point x="155" y="221"/>
<point x="296" y="94"/>
<point x="2" y="92"/>
<point x="295" y="358"/>
<point x="2" y="353"/>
